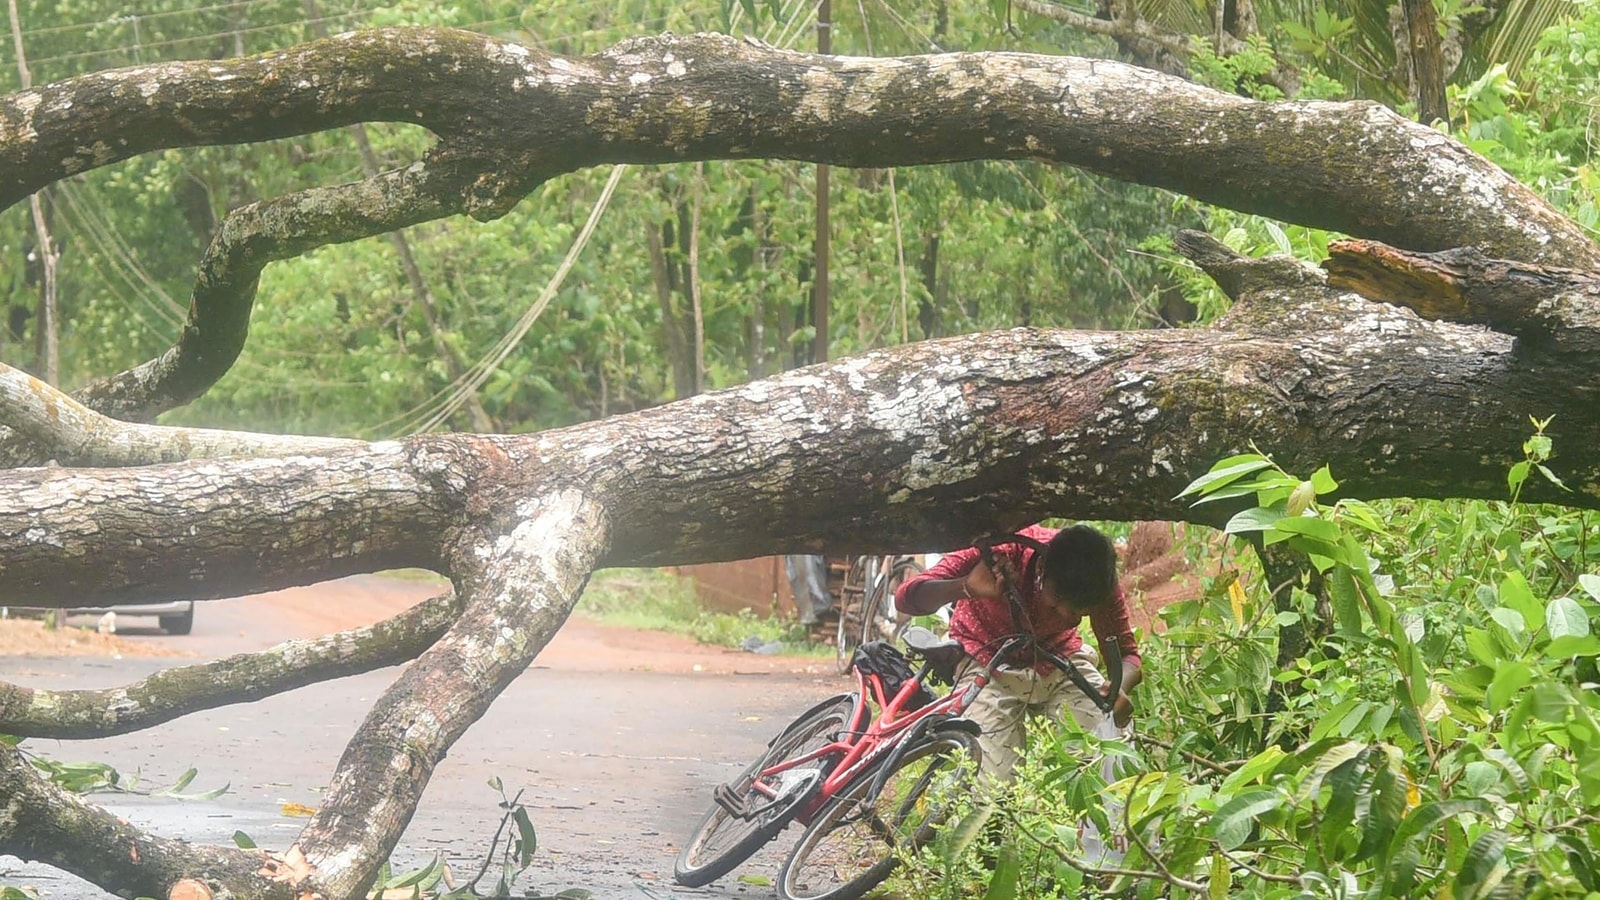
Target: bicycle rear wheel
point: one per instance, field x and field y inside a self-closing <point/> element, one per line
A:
<point x="879" y="621"/>
<point x="724" y="838"/>
<point x="853" y="597"/>
<point x="852" y="844"/>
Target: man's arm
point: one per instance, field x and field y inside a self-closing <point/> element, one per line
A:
<point x="926" y="597"/>
<point x="947" y="581"/>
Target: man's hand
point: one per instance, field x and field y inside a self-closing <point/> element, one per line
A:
<point x="1122" y="710"/>
<point x="980" y="583"/>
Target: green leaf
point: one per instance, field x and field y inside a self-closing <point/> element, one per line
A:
<point x="1484" y="866"/>
<point x="1509" y="765"/>
<point x="1566" y="618"/>
<point x="243" y="841"/>
<point x="1346" y="603"/>
<point x="414" y="877"/>
<point x="1590" y="584"/>
<point x="1549" y="703"/>
<point x="1225" y="472"/>
<point x="1007" y="872"/>
<point x="1510" y="676"/>
<point x="1551" y="477"/>
<point x="1254" y="769"/>
<point x="1322" y="479"/>
<point x="1384" y="811"/>
<point x="1321" y="529"/>
<point x="1233" y="821"/>
<point x="1515" y="593"/>
<point x="1568" y="646"/>
<point x="527" y="840"/>
<point x="757" y="880"/>
<point x="1511" y="620"/>
<point x="1344" y="785"/>
<point x="1220" y="882"/>
<point x="1517" y="475"/>
<point x="1256" y="519"/>
<point x="1405" y="854"/>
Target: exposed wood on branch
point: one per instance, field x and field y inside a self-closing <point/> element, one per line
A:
<point x="1548" y="308"/>
<point x="242" y="678"/>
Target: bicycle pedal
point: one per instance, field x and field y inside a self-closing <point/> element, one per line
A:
<point x="734" y="803"/>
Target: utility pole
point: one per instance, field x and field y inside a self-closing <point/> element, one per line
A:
<point x="819" y="284"/>
<point x="49" y="354"/>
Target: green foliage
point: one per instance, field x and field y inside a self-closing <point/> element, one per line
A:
<point x="1441" y="738"/>
<point x="92" y="777"/>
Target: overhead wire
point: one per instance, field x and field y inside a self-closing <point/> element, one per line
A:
<point x="475" y="377"/>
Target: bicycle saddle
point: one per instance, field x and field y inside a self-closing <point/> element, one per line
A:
<point x="944" y="655"/>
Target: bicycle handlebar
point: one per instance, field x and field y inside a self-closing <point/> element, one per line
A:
<point x="1005" y="577"/>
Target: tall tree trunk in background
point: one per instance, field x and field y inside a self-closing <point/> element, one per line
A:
<point x="928" y="305"/>
<point x="691" y="281"/>
<point x="1428" y="73"/>
<point x="820" y="300"/>
<point x="679" y="357"/>
<point x="756" y="332"/>
<point x="47" y="351"/>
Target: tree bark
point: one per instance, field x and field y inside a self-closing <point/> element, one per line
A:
<point x="1428" y="73"/>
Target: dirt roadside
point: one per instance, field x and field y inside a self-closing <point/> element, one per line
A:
<point x="238" y="625"/>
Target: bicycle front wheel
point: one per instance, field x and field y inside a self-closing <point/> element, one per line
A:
<point x="750" y="810"/>
<point x="854" y="842"/>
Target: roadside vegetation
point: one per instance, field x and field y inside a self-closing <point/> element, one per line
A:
<point x="660" y="600"/>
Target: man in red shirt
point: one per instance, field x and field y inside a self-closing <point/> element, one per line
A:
<point x="1075" y="577"/>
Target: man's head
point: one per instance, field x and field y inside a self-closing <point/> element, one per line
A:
<point x="1079" y="570"/>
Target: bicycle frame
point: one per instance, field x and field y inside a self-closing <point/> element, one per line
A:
<point x="864" y="742"/>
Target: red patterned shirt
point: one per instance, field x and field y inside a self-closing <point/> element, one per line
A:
<point x="979" y="625"/>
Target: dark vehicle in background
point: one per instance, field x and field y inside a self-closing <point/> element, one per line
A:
<point x="175" y="616"/>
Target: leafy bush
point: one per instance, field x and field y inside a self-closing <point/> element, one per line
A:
<point x="1441" y="737"/>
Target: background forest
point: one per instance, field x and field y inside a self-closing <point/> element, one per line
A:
<point x="1437" y="737"/>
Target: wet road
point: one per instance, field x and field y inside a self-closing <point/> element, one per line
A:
<point x="614" y="766"/>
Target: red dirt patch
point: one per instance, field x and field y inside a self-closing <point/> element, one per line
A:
<point x="29" y="637"/>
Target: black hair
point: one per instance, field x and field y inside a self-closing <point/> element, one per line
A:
<point x="1080" y="566"/>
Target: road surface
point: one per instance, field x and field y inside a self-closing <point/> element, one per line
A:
<point x="614" y="740"/>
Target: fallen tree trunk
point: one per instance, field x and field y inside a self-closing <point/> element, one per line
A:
<point x="922" y="447"/>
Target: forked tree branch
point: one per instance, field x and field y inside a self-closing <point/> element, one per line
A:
<point x="519" y="586"/>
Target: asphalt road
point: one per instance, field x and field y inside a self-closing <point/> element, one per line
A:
<point x="615" y="765"/>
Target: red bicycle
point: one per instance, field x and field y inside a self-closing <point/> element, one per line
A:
<point x="867" y="788"/>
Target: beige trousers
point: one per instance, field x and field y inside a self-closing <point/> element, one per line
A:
<point x="1003" y="707"/>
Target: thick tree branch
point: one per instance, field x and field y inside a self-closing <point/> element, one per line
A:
<point x="242" y="678"/>
<point x="520" y="586"/>
<point x="41" y="822"/>
<point x="1351" y="167"/>
<point x="205" y="529"/>
<point x="74" y="435"/>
